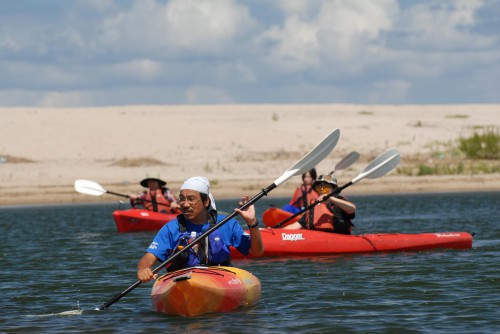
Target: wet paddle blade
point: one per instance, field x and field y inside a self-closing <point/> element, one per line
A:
<point x="311" y="159"/>
<point x="89" y="188"/>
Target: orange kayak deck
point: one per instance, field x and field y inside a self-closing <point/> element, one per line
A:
<point x="198" y="290"/>
<point x="290" y="243"/>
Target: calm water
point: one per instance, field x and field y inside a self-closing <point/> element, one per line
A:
<point x="66" y="258"/>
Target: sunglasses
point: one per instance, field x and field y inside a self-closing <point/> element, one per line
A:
<point x="324" y="188"/>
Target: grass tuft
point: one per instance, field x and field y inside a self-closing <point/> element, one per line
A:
<point x="482" y="145"/>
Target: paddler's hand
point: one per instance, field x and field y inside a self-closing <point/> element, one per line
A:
<point x="322" y="198"/>
<point x="145" y="275"/>
<point x="249" y="213"/>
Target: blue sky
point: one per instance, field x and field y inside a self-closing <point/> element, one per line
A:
<point x="105" y="52"/>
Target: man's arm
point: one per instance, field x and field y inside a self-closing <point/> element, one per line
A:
<point x="144" y="272"/>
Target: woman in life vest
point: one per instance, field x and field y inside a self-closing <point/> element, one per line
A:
<point x="304" y="194"/>
<point x="198" y="215"/>
<point x="157" y="197"/>
<point x="332" y="214"/>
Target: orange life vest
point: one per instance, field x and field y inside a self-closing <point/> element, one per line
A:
<point x="322" y="218"/>
<point x="156" y="197"/>
<point x="303" y="196"/>
<point x="327" y="217"/>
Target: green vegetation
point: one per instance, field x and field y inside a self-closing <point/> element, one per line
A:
<point x="457" y="116"/>
<point x="470" y="167"/>
<point x="485" y="145"/>
<point x="477" y="154"/>
<point x="364" y="112"/>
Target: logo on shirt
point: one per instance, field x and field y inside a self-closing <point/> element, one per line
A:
<point x="154" y="245"/>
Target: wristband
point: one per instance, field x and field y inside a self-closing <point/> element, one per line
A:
<point x="254" y="225"/>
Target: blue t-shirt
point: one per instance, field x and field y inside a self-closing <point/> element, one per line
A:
<point x="168" y="237"/>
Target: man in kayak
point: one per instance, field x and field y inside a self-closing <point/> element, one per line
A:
<point x="332" y="214"/>
<point x="157" y="198"/>
<point x="304" y="194"/>
<point x="199" y="214"/>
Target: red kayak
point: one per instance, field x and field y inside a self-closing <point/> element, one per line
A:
<point x="289" y="243"/>
<point x="136" y="220"/>
<point x="273" y="216"/>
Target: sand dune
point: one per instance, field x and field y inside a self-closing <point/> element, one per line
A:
<point x="240" y="148"/>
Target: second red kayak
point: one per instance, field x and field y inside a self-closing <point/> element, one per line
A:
<point x="290" y="243"/>
<point x="273" y="216"/>
<point x="136" y="220"/>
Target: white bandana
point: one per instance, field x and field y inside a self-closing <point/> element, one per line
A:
<point x="201" y="185"/>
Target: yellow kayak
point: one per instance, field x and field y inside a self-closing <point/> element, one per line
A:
<point x="193" y="291"/>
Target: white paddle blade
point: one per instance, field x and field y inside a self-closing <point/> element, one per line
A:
<point x="389" y="164"/>
<point x="382" y="165"/>
<point x="347" y="162"/>
<point x="312" y="158"/>
<point x="89" y="188"/>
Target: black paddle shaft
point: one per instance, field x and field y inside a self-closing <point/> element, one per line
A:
<point x="254" y="199"/>
<point x="310" y="206"/>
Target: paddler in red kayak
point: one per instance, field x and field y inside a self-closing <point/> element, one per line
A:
<point x="157" y="198"/>
<point x="333" y="214"/>
<point x="304" y="194"/>
<point x="199" y="213"/>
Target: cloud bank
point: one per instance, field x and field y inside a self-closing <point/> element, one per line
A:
<point x="105" y="52"/>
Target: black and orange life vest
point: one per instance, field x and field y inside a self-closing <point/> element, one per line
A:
<point x="329" y="218"/>
<point x="155" y="201"/>
<point x="303" y="196"/>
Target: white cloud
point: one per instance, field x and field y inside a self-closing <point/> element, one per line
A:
<point x="204" y="94"/>
<point x="339" y="31"/>
<point x="63" y="99"/>
<point x="218" y="51"/>
<point x="297" y="7"/>
<point x="296" y="44"/>
<point x="140" y="69"/>
<point x="390" y="91"/>
<point x="205" y="26"/>
<point x="350" y="30"/>
<point x="443" y="25"/>
<point x="139" y="30"/>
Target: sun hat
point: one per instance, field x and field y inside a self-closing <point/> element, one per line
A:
<point x="331" y="180"/>
<point x="152" y="177"/>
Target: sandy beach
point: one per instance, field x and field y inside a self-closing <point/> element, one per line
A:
<point x="240" y="148"/>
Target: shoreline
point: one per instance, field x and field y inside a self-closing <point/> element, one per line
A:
<point x="387" y="185"/>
